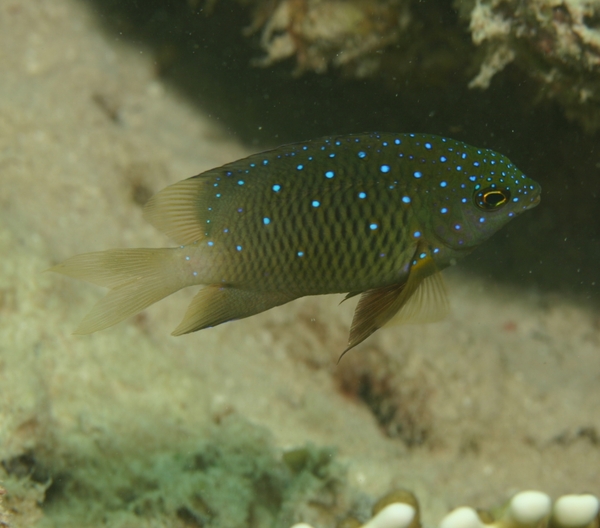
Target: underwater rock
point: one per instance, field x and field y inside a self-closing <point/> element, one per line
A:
<point x="555" y="43"/>
<point x="329" y="32"/>
<point x="3" y="514"/>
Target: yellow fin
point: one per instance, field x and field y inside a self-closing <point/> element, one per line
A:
<point x="216" y="304"/>
<point x="412" y="301"/>
<point x="138" y="278"/>
<point x="176" y="210"/>
<point x="428" y="304"/>
<point x="115" y="266"/>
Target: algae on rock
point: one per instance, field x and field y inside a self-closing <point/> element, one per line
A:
<point x="234" y="477"/>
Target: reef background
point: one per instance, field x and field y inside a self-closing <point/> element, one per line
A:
<point x="103" y="104"/>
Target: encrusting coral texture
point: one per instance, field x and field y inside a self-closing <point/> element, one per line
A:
<point x="556" y="42"/>
<point x="321" y="33"/>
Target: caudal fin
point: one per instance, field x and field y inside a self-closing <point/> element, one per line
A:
<point x="137" y="278"/>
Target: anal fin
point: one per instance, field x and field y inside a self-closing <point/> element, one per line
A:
<point x="216" y="304"/>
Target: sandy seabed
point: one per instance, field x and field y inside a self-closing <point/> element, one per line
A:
<point x="502" y="396"/>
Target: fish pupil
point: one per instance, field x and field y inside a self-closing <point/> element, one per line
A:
<point x="491" y="198"/>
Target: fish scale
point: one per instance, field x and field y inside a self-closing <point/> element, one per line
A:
<point x="339" y="209"/>
<point x="372" y="214"/>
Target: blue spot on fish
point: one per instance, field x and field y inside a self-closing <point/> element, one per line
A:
<point x="329" y="174"/>
<point x="384" y="168"/>
<point x="362" y="195"/>
<point x="417" y="174"/>
<point x="276" y="188"/>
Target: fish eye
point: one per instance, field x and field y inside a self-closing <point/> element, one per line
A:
<point x="491" y="198"/>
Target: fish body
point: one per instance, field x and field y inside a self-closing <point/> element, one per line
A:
<point x="372" y="214"/>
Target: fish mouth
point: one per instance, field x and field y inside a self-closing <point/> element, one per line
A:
<point x="536" y="200"/>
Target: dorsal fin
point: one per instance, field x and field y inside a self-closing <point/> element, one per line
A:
<point x="176" y="210"/>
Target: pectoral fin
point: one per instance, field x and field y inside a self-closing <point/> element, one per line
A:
<point x="422" y="298"/>
<point x="428" y="304"/>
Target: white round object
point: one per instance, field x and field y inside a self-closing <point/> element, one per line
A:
<point x="462" y="517"/>
<point x="395" y="515"/>
<point x="529" y="507"/>
<point x="575" y="510"/>
<point x="301" y="525"/>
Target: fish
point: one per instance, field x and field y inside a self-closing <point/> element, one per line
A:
<point x="377" y="215"/>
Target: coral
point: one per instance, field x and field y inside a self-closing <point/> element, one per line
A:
<point x="555" y="42"/>
<point x="331" y="32"/>
<point x="528" y="509"/>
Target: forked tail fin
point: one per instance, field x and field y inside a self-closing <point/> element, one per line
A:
<point x="137" y="278"/>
